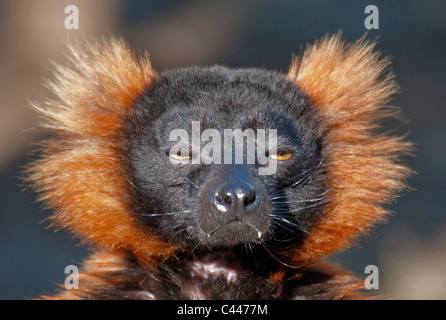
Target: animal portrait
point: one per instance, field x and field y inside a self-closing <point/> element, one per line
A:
<point x="161" y="172"/>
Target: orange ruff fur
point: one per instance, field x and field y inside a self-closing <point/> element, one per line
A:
<point x="80" y="175"/>
<point x="349" y="87"/>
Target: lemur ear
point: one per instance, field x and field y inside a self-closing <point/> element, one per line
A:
<point x="349" y="86"/>
<point x="80" y="175"/>
<point x="344" y="78"/>
<point x="96" y="89"/>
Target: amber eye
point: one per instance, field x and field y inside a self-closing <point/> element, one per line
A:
<point x="282" y="155"/>
<point x="179" y="156"/>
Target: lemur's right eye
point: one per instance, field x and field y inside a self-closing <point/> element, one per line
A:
<point x="180" y="155"/>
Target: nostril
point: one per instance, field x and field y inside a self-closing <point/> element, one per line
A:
<point x="250" y="198"/>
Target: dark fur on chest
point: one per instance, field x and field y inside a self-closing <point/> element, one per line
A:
<point x="183" y="281"/>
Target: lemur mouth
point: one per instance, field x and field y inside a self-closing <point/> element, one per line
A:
<point x="225" y="263"/>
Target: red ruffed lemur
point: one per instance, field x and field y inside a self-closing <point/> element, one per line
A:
<point x="175" y="230"/>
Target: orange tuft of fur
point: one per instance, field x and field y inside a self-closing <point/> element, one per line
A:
<point x="79" y="174"/>
<point x="349" y="86"/>
<point x="102" y="270"/>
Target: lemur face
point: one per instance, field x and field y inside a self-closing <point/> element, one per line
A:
<point x="228" y="201"/>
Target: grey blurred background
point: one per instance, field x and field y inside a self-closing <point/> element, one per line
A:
<point x="409" y="250"/>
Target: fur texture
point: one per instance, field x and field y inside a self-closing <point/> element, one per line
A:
<point x="80" y="174"/>
<point x="349" y="85"/>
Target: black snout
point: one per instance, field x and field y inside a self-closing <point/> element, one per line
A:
<point x="233" y="206"/>
<point x="237" y="196"/>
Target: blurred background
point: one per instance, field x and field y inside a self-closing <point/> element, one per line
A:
<point x="410" y="250"/>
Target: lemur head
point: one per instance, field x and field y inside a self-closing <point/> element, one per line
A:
<point x="152" y="163"/>
<point x="221" y="201"/>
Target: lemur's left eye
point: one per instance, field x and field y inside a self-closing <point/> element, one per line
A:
<point x="281" y="155"/>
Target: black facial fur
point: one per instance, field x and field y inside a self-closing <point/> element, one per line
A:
<point x="178" y="202"/>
